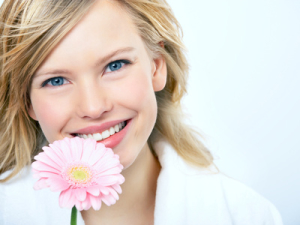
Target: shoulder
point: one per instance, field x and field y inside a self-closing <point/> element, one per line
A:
<point x="208" y="196"/>
<point x="246" y="204"/>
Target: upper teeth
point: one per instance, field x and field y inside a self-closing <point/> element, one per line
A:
<point x="105" y="134"/>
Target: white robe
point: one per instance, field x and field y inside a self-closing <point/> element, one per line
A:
<point x="185" y="196"/>
<point x="188" y="196"/>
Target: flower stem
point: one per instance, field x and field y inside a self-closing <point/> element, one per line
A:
<point x="74" y="216"/>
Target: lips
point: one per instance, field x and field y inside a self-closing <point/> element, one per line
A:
<point x="110" y="134"/>
<point x="99" y="136"/>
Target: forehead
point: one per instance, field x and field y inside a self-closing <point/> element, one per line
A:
<point x="105" y="28"/>
<point x="109" y="18"/>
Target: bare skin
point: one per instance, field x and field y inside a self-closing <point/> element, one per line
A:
<point x="137" y="201"/>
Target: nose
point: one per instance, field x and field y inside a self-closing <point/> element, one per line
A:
<point x="92" y="101"/>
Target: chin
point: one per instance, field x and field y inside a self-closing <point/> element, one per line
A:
<point x="127" y="161"/>
<point x="133" y="157"/>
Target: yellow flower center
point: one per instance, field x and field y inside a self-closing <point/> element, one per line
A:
<point x="79" y="174"/>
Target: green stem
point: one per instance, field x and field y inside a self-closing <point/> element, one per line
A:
<point x="74" y="216"/>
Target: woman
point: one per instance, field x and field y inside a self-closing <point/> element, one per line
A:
<point x="81" y="68"/>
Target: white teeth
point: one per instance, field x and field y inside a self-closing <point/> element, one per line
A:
<point x="117" y="128"/>
<point x="97" y="137"/>
<point x="105" y="134"/>
<point x="111" y="131"/>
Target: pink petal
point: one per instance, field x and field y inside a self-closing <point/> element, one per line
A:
<point x="78" y="205"/>
<point x="66" y="150"/>
<point x="105" y="201"/>
<point x="64" y="198"/>
<point x="114" y="194"/>
<point x="96" y="156"/>
<point x="40" y="166"/>
<point x="89" y="147"/>
<point x="40" y="184"/>
<point x="47" y="174"/>
<point x="108" y="200"/>
<point x="107" y="180"/>
<point x="121" y="179"/>
<point x="80" y="194"/>
<point x="109" y="154"/>
<point x="86" y="154"/>
<point x="104" y="190"/>
<point x="42" y="157"/>
<point x="114" y="170"/>
<point x="101" y="146"/>
<point x="76" y="144"/>
<point x="58" y="151"/>
<point x="96" y="202"/>
<point x="93" y="190"/>
<point x="72" y="199"/>
<point x="120" y="166"/>
<point x="36" y="174"/>
<point x="86" y="204"/>
<point x="57" y="184"/>
<point x="111" y="199"/>
<point x="106" y="163"/>
<point x="54" y="156"/>
<point x="67" y="199"/>
<point x="118" y="188"/>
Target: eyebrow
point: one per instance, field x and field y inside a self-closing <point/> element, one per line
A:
<point x="106" y="58"/>
<point x="97" y="64"/>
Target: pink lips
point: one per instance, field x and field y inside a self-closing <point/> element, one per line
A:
<point x="116" y="138"/>
<point x="98" y="129"/>
<point x="111" y="141"/>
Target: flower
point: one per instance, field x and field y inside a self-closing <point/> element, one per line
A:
<point x="84" y="171"/>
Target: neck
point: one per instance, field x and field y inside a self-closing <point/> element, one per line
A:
<point x="138" y="194"/>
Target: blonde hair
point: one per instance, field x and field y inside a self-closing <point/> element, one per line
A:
<point x="30" y="29"/>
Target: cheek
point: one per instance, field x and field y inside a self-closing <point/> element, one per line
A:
<point x="136" y="92"/>
<point x="140" y="97"/>
<point x="49" y="113"/>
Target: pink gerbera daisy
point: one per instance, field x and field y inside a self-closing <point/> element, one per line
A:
<point x="84" y="171"/>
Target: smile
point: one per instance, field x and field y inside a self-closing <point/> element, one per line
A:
<point x="105" y="134"/>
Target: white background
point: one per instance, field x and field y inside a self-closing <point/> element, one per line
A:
<point x="244" y="91"/>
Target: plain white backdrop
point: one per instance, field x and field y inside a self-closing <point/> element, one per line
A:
<point x="244" y="94"/>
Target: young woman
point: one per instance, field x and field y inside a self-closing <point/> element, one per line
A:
<point x="79" y="68"/>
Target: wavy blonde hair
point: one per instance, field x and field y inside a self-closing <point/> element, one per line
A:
<point x="30" y="29"/>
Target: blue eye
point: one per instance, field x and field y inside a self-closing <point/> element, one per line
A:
<point x="55" y="81"/>
<point x="116" y="65"/>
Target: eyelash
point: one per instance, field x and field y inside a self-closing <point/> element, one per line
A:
<point x="123" y="61"/>
<point x="52" y="79"/>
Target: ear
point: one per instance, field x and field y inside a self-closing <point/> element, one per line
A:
<point x="32" y="113"/>
<point x="159" y="77"/>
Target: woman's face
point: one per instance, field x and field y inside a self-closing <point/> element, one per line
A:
<point x="98" y="78"/>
